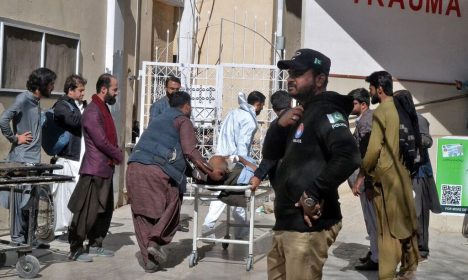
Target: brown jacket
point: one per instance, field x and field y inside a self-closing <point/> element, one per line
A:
<point x="392" y="180"/>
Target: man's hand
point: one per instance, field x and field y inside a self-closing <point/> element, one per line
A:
<point x="357" y="185"/>
<point x="370" y="193"/>
<point x="291" y="117"/>
<point x="310" y="214"/>
<point x="254" y="183"/>
<point x="24" y="138"/>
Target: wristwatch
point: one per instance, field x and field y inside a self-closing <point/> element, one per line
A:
<point x="310" y="202"/>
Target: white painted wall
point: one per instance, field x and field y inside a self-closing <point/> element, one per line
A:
<point x="361" y="38"/>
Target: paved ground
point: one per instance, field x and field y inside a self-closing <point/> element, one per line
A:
<point x="448" y="260"/>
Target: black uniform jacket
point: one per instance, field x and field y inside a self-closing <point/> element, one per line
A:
<point x="316" y="156"/>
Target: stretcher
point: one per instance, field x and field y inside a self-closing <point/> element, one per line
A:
<point x="38" y="176"/>
<point x="210" y="193"/>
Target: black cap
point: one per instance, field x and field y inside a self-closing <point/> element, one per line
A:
<point x="305" y="59"/>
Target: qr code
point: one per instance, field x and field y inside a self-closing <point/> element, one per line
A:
<point x="451" y="195"/>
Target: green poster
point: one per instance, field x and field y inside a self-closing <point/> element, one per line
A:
<point x="452" y="174"/>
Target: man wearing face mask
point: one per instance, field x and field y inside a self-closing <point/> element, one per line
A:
<point x="92" y="200"/>
<point x="156" y="178"/>
<point x="235" y="139"/>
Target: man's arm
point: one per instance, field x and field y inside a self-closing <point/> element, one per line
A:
<point x="5" y="120"/>
<point x="426" y="138"/>
<point x="188" y="142"/>
<point x="65" y="115"/>
<point x="375" y="143"/>
<point x="94" y="127"/>
<point x="344" y="158"/>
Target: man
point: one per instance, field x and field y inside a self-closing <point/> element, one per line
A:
<point x="362" y="186"/>
<point x="318" y="153"/>
<point x="172" y="85"/>
<point x="25" y="139"/>
<point x="280" y="102"/>
<point x="92" y="201"/>
<point x="426" y="198"/>
<point x="70" y="156"/>
<point x="156" y="179"/>
<point x="235" y="138"/>
<point x="393" y="195"/>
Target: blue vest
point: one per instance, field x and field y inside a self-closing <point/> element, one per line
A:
<point x="160" y="145"/>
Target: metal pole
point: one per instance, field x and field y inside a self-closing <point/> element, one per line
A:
<point x="233" y="34"/>
<point x="220" y="41"/>
<point x="167" y="45"/>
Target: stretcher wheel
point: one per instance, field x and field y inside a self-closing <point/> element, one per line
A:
<point x="249" y="265"/>
<point x="193" y="260"/>
<point x="226" y="245"/>
<point x="28" y="266"/>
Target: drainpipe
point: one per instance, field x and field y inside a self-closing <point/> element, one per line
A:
<point x="279" y="30"/>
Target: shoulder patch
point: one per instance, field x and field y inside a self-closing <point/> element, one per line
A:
<point x="336" y="119"/>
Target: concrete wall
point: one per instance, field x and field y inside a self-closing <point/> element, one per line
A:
<point x="68" y="16"/>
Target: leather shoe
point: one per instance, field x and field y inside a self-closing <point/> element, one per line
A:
<point x="365" y="258"/>
<point x="369" y="265"/>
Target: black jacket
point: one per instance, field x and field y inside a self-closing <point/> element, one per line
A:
<point x="70" y="121"/>
<point x="319" y="153"/>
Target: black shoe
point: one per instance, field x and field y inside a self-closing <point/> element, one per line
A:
<point x="365" y="258"/>
<point x="369" y="265"/>
<point x="182" y="228"/>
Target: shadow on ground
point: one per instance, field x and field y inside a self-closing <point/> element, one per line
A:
<point x="351" y="252"/>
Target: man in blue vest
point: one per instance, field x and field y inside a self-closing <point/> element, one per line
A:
<point x="156" y="178"/>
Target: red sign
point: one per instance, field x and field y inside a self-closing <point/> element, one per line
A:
<point x="429" y="6"/>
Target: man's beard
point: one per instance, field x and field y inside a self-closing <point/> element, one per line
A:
<point x="304" y="94"/>
<point x="375" y="99"/>
<point x="109" y="99"/>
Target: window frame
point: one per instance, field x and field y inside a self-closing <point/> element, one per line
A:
<point x="44" y="31"/>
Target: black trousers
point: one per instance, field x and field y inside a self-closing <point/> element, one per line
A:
<point x="92" y="205"/>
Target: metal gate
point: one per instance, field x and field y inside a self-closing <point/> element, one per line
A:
<point x="214" y="90"/>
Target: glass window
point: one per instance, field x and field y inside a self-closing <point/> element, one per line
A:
<point x="21" y="55"/>
<point x="61" y="57"/>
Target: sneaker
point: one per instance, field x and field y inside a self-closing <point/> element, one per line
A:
<point x="207" y="232"/>
<point x="182" y="228"/>
<point x="367" y="266"/>
<point x="80" y="256"/>
<point x="422" y="259"/>
<point x="157" y="252"/>
<point x="100" y="252"/>
<point x="39" y="245"/>
<point x="366" y="257"/>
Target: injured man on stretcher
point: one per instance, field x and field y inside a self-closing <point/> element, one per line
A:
<point x="237" y="171"/>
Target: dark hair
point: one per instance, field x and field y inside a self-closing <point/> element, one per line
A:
<point x="173" y="79"/>
<point x="381" y="79"/>
<point x="104" y="81"/>
<point x="72" y="82"/>
<point x="179" y="99"/>
<point x="361" y="95"/>
<point x="280" y="100"/>
<point x="255" y="96"/>
<point x="316" y="72"/>
<point x="39" y="79"/>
